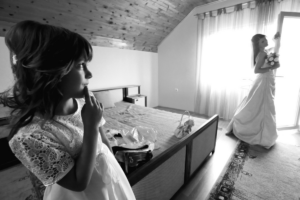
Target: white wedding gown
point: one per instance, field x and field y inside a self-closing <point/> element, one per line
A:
<point x="254" y="121"/>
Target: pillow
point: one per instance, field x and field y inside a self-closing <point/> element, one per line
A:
<point x="105" y="98"/>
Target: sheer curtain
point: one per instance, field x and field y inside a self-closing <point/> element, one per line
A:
<point x="224" y="71"/>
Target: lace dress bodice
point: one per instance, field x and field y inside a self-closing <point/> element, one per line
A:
<point x="48" y="147"/>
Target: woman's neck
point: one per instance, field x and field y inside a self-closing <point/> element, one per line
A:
<point x="66" y="107"/>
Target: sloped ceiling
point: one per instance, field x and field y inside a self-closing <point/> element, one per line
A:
<point x="127" y="24"/>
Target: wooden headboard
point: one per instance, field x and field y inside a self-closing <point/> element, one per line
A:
<point x="123" y="91"/>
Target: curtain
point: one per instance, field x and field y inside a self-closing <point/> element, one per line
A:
<point x="224" y="71"/>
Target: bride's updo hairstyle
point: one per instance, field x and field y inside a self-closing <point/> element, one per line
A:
<point x="255" y="45"/>
<point x="40" y="56"/>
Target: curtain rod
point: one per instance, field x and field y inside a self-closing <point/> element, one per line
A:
<point x="216" y="2"/>
<point x="228" y="6"/>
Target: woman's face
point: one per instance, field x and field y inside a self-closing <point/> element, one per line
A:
<point x="72" y="85"/>
<point x="262" y="42"/>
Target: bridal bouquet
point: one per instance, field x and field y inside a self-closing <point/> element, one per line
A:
<point x="272" y="59"/>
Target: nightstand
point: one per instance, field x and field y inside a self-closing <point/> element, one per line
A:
<point x="137" y="99"/>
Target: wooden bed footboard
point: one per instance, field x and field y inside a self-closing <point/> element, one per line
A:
<point x="164" y="175"/>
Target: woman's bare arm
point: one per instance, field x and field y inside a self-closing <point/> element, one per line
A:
<point x="277" y="42"/>
<point x="79" y="176"/>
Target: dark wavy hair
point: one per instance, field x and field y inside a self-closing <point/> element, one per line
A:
<point x="255" y="45"/>
<point x="44" y="55"/>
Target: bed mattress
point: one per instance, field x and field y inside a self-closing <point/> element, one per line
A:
<point x="126" y="116"/>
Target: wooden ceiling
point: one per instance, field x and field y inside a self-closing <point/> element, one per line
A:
<point x="126" y="24"/>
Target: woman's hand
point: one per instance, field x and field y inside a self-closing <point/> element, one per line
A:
<point x="91" y="111"/>
<point x="276" y="36"/>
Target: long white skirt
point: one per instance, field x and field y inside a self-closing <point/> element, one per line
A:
<point x="108" y="182"/>
<point x="254" y="121"/>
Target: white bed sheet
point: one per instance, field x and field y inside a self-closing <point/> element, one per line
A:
<point x="127" y="116"/>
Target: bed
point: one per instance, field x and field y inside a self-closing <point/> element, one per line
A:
<point x="170" y="168"/>
<point x="176" y="160"/>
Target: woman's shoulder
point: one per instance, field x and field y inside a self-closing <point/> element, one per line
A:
<point x="37" y="128"/>
<point x="26" y="130"/>
<point x="24" y="136"/>
<point x="36" y="133"/>
<point x="262" y="53"/>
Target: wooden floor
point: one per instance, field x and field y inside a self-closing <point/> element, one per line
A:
<point x="200" y="185"/>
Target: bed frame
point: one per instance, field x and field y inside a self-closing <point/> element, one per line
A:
<point x="162" y="176"/>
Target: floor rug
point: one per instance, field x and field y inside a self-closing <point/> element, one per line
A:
<point x="255" y="173"/>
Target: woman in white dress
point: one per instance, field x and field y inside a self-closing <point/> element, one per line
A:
<point x="57" y="124"/>
<point x="254" y="121"/>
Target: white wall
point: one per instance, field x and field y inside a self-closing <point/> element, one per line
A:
<point x="177" y="60"/>
<point x="110" y="67"/>
<point x="117" y="67"/>
<point x="6" y="77"/>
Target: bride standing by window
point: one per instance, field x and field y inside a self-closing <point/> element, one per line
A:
<point x="254" y="121"/>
